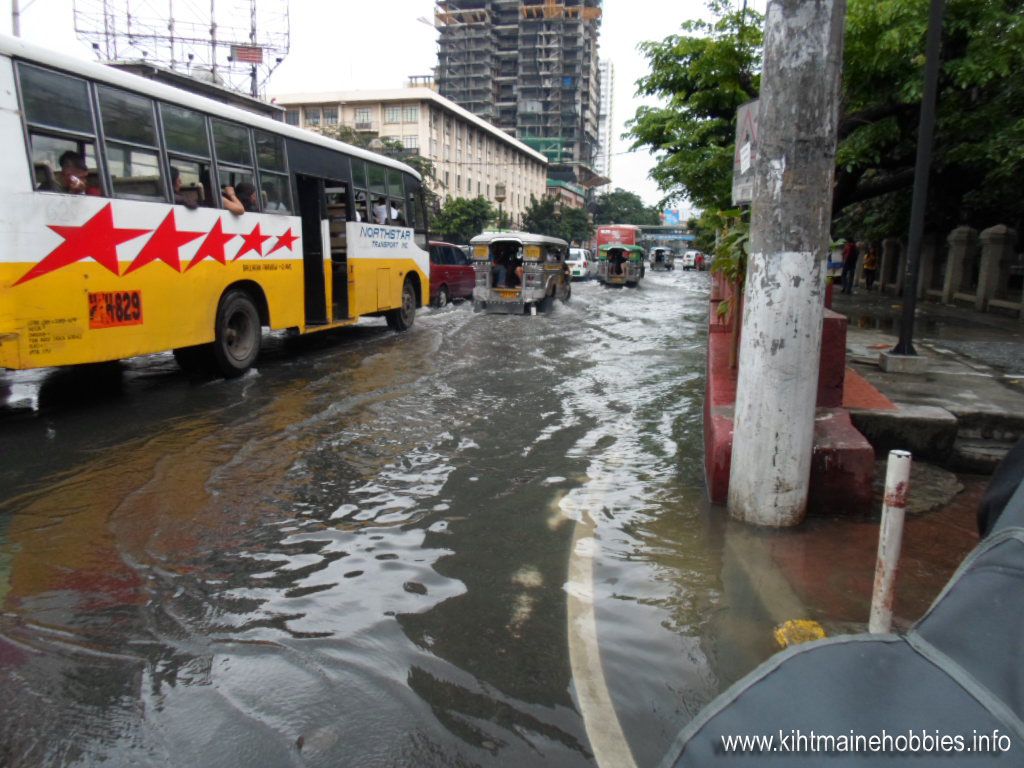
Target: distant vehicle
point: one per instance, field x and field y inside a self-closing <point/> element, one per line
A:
<point x="662" y="258"/>
<point x="623" y="234"/>
<point x="620" y="265"/>
<point x="582" y="264"/>
<point x="451" y="274"/>
<point x="518" y="272"/>
<point x="693" y="260"/>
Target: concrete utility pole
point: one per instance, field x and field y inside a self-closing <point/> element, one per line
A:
<point x="790" y="218"/>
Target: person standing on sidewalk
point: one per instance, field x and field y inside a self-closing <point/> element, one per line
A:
<point x="850" y="254"/>
<point x="870" y="265"/>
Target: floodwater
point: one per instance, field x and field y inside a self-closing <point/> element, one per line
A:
<point x="482" y="542"/>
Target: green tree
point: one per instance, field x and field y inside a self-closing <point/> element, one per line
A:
<point x="461" y="219"/>
<point x="548" y="217"/>
<point x="541" y="216"/>
<point x="574" y="225"/>
<point x="700" y="78"/>
<point x="703" y="74"/>
<point x="622" y="207"/>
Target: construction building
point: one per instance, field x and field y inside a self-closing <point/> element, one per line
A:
<point x="605" y="119"/>
<point x="530" y="67"/>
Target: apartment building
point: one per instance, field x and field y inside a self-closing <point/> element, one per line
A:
<point x="471" y="157"/>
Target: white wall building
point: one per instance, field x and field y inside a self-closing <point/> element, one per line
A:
<point x="470" y="156"/>
<point x="605" y="119"/>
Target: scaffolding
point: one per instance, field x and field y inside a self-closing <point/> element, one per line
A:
<point x="232" y="43"/>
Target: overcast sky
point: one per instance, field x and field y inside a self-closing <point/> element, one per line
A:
<point x="348" y="45"/>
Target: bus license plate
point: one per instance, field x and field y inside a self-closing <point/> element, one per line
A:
<point x="115" y="308"/>
<point x="508" y="294"/>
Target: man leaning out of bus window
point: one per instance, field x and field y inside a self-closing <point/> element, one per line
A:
<point x="240" y="198"/>
<point x="74" y="176"/>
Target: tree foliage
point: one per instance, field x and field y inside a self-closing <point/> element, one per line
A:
<point x="548" y="217"/>
<point x="462" y="219"/>
<point x="700" y="78"/>
<point x="622" y="207"/>
<point x="703" y="74"/>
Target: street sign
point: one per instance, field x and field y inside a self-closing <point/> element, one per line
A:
<point x="746" y="153"/>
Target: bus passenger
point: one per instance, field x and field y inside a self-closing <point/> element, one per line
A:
<point x="246" y="193"/>
<point x="240" y="198"/>
<point x="380" y="211"/>
<point x="189" y="199"/>
<point x="74" y="175"/>
<point x="231" y="201"/>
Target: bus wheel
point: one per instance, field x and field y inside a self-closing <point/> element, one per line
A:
<point x="237" y="334"/>
<point x="401" y="319"/>
<point x="442" y="297"/>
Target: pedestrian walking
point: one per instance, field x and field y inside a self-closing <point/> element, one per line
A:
<point x="870" y="265"/>
<point x="850" y="254"/>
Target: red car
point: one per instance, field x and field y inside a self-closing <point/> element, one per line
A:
<point x="451" y="274"/>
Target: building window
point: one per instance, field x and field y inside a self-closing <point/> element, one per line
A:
<point x="446" y="179"/>
<point x="411" y="114"/>
<point x="469" y="185"/>
<point x="313" y="116"/>
<point x="330" y="116"/>
<point x="411" y="142"/>
<point x="392" y="114"/>
<point x="291" y="117"/>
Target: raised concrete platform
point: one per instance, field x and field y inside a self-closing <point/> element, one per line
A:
<point x="842" y="465"/>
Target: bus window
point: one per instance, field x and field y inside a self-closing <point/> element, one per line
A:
<point x="189" y="150"/>
<point x="362" y="207"/>
<point x="378" y="180"/>
<point x="396" y="206"/>
<point x="234" y="155"/>
<point x="274" y="188"/>
<point x="416" y="210"/>
<point x="47" y="152"/>
<point x="231" y="142"/>
<point x="362" y="211"/>
<point x="129" y="127"/>
<point x="59" y="121"/>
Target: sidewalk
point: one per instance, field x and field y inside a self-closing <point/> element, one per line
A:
<point x="958" y="418"/>
<point x="967" y="409"/>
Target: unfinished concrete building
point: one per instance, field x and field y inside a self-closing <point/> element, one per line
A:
<point x="530" y="68"/>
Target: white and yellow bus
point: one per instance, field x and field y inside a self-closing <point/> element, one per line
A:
<point x="117" y="236"/>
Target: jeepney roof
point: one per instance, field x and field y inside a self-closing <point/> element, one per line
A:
<point x="524" y="238"/>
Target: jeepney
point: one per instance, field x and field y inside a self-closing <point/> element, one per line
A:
<point x="662" y="258"/>
<point x="519" y="272"/>
<point x="619" y="264"/>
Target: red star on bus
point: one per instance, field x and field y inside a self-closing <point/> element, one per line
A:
<point x="164" y="245"/>
<point x="287" y="240"/>
<point x="97" y="238"/>
<point x="252" y="242"/>
<point x="212" y="246"/>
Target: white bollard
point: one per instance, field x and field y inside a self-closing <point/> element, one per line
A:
<point x="890" y="539"/>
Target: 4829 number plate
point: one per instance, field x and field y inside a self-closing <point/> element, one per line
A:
<point x="115" y="308"/>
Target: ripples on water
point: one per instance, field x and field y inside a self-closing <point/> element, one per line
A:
<point x="358" y="554"/>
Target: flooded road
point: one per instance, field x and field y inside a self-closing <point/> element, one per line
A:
<point x="482" y="542"/>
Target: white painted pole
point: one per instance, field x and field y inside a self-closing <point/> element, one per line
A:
<point x="783" y="303"/>
<point x="890" y="540"/>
